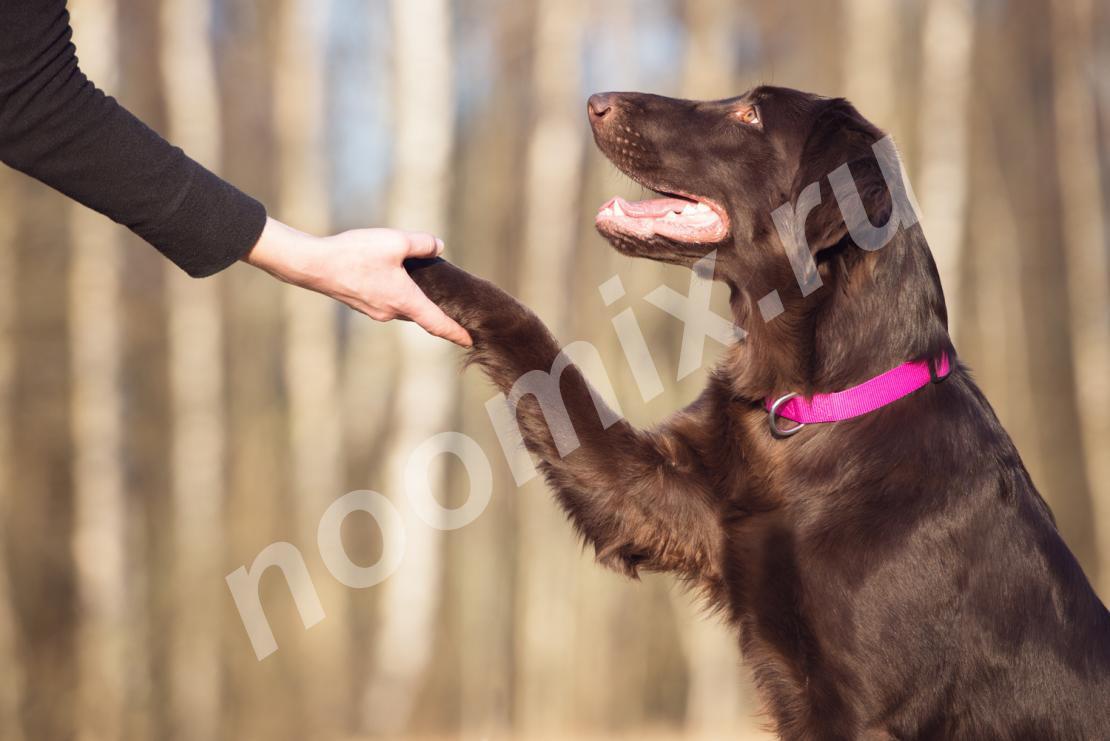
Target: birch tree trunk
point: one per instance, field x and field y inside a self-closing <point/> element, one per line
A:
<point x="1022" y="45"/>
<point x="424" y="126"/>
<point x="945" y="119"/>
<point x="101" y="527"/>
<point x="259" y="509"/>
<point x="100" y="536"/>
<point x="311" y="348"/>
<point x="546" y="573"/>
<point x="873" y="39"/>
<point x="707" y="70"/>
<point x="11" y="681"/>
<point x="39" y="531"/>
<point x="146" y="424"/>
<point x="196" y="369"/>
<point x="996" y="339"/>
<point x="1085" y="251"/>
<point x="715" y="705"/>
<point x="369" y="369"/>
<point x="486" y="232"/>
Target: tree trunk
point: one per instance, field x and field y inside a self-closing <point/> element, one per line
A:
<point x="707" y="70"/>
<point x="487" y="228"/>
<point x="100" y="537"/>
<point x="424" y="126"/>
<point x="11" y="681"/>
<point x="996" y="329"/>
<point x="871" y="51"/>
<point x="38" y="536"/>
<point x="196" y="366"/>
<point x="147" y="422"/>
<point x="1085" y="251"/>
<point x="945" y="118"/>
<point x="311" y="348"/>
<point x="1015" y="50"/>
<point x="267" y="698"/>
<point x="715" y="690"/>
<point x="547" y="684"/>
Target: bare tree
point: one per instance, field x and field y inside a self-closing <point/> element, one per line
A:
<point x="1013" y="52"/>
<point x="268" y="697"/>
<point x="100" y="539"/>
<point x="39" y="530"/>
<point x="480" y="569"/>
<point x="872" y="40"/>
<point x="715" y="704"/>
<point x="196" y="367"/>
<point x="945" y="120"/>
<point x="707" y="70"/>
<point x="369" y="369"/>
<point x="996" y="339"/>
<point x="144" y="378"/>
<point x="311" y="344"/>
<point x="11" y="681"/>
<point x="553" y="172"/>
<point x="424" y="127"/>
<point x="1085" y="248"/>
<point x="97" y="410"/>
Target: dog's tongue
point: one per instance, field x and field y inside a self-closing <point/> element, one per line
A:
<point x="652" y="208"/>
<point x="678" y="219"/>
<point x="660" y="210"/>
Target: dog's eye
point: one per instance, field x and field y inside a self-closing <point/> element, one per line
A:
<point x="748" y="115"/>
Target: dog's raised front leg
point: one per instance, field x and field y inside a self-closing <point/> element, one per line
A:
<point x="642" y="498"/>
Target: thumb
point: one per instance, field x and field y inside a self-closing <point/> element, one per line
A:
<point x="424" y="312"/>
<point x="422" y="244"/>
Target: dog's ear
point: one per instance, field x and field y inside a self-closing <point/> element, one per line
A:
<point x="839" y="186"/>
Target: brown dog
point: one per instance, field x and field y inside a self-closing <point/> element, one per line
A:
<point x="891" y="576"/>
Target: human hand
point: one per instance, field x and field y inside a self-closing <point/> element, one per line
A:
<point x="361" y="268"/>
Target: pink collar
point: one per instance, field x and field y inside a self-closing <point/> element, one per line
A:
<point x="856" y="401"/>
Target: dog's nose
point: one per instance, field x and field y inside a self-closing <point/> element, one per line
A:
<point x="600" y="105"/>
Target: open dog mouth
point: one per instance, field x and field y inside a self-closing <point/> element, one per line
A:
<point x="674" y="217"/>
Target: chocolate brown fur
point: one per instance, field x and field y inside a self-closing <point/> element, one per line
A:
<point x="895" y="576"/>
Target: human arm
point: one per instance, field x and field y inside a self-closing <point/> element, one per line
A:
<point x="361" y="268"/>
<point x="57" y="127"/>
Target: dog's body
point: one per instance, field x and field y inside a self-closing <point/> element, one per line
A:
<point x="894" y="576"/>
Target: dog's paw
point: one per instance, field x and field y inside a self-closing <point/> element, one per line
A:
<point x="476" y="304"/>
<point x="448" y="286"/>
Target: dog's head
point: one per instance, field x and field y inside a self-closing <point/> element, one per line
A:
<point x="723" y="167"/>
<point x="746" y="178"/>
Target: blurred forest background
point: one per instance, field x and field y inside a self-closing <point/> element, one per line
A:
<point x="156" y="433"/>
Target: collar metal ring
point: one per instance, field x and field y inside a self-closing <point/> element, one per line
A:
<point x="773" y="417"/>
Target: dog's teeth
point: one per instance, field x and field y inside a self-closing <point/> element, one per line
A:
<point x="701" y="208"/>
<point x="617" y="211"/>
<point x="671" y="216"/>
<point x="688" y="209"/>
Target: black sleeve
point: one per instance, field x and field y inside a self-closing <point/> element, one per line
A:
<point x="56" y="126"/>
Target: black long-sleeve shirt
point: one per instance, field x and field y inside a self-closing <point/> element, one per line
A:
<point x="56" y="126"/>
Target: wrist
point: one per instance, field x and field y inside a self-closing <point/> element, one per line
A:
<point x="284" y="253"/>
